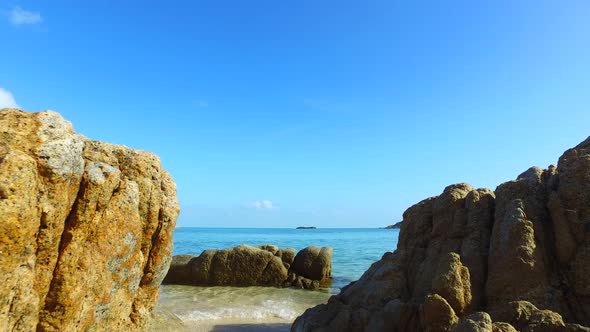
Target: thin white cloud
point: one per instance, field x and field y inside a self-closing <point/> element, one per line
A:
<point x="203" y="103"/>
<point x="6" y="99"/>
<point x="264" y="205"/>
<point x="19" y="16"/>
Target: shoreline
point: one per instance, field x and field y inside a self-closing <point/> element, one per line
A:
<point x="167" y="321"/>
<point x="239" y="325"/>
<point x="219" y="308"/>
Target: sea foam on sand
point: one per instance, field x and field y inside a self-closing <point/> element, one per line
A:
<point x="233" y="308"/>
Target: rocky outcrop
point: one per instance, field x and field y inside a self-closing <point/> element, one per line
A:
<point x="517" y="258"/>
<point x="86" y="228"/>
<point x="397" y="225"/>
<point x="314" y="263"/>
<point x="245" y="265"/>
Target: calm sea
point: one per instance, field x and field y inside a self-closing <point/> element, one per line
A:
<point x="355" y="249"/>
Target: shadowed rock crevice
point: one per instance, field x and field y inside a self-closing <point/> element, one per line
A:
<point x="517" y="258"/>
<point x="87" y="228"/>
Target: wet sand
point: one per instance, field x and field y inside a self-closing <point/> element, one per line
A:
<point x="252" y="328"/>
<point x="165" y="322"/>
<point x="231" y="309"/>
<point x="238" y="326"/>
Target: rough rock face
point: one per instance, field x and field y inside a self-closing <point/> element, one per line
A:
<point x="245" y="265"/>
<point x="86" y="228"/>
<point x="476" y="260"/>
<point x="314" y="263"/>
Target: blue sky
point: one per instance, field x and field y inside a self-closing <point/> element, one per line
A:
<point x="327" y="113"/>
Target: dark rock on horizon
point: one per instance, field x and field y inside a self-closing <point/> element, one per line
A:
<point x="306" y="227"/>
<point x="478" y="260"/>
<point x="246" y="265"/>
<point x="86" y="228"/>
<point x="397" y="225"/>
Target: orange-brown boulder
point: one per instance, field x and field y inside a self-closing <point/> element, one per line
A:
<point x="514" y="258"/>
<point x="86" y="228"/>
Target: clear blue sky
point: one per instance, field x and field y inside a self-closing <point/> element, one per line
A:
<point x="328" y="113"/>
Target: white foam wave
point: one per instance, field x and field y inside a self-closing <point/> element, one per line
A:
<point x="198" y="304"/>
<point x="270" y="309"/>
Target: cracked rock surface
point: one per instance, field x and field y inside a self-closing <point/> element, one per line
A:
<point x="86" y="228"/>
<point x="517" y="258"/>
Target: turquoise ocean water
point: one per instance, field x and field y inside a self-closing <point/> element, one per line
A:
<point x="355" y="249"/>
<point x="208" y="308"/>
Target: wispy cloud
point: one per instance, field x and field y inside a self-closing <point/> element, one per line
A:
<point x="19" y="16"/>
<point x="264" y="205"/>
<point x="6" y="99"/>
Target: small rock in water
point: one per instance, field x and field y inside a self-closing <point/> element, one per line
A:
<point x="245" y="265"/>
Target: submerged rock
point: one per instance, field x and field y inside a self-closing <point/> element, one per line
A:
<point x="86" y="228"/>
<point x="478" y="260"/>
<point x="246" y="265"/>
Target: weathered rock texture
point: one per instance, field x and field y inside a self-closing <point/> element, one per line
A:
<point x="86" y="228"/>
<point x="314" y="263"/>
<point x="477" y="260"/>
<point x="245" y="265"/>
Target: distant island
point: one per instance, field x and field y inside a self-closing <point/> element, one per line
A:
<point x="397" y="225"/>
<point x="306" y="227"/>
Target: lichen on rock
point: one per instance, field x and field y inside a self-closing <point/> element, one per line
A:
<point x="87" y="228"/>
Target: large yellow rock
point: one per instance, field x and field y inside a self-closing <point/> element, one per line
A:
<point x="86" y="228"/>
